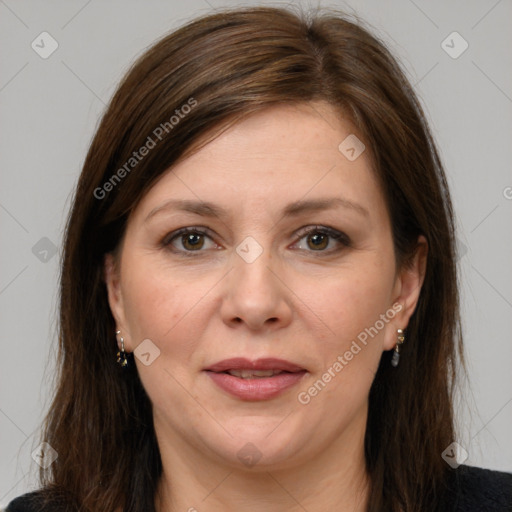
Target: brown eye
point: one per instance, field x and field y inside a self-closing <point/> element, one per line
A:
<point x="318" y="241"/>
<point x="192" y="241"/>
<point x="186" y="241"/>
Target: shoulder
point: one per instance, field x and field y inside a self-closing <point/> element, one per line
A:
<point x="477" y="489"/>
<point x="38" y="501"/>
<point x="471" y="489"/>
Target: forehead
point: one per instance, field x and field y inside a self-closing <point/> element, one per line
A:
<point x="310" y="130"/>
<point x="274" y="157"/>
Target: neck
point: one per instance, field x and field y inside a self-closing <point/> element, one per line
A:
<point x="336" y="479"/>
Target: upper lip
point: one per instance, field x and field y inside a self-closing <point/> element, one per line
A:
<point x="241" y="363"/>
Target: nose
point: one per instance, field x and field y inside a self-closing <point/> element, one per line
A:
<point x="256" y="294"/>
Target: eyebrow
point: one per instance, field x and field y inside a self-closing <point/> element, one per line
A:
<point x="207" y="209"/>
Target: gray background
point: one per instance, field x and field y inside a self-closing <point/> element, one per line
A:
<point x="50" y="107"/>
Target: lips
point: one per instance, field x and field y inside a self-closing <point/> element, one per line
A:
<point x="241" y="363"/>
<point x="262" y="379"/>
<point x="253" y="374"/>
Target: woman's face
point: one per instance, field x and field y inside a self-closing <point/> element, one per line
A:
<point x="299" y="267"/>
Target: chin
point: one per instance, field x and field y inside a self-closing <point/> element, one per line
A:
<point x="261" y="443"/>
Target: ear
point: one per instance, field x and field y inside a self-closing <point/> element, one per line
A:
<point x="406" y="291"/>
<point x="112" y="278"/>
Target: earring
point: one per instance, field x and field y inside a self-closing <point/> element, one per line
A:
<point x="122" y="358"/>
<point x="396" y="354"/>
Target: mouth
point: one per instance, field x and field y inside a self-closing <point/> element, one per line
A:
<point x="255" y="380"/>
<point x="258" y="366"/>
<point x="254" y="374"/>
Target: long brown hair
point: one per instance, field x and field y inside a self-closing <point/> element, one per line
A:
<point x="224" y="67"/>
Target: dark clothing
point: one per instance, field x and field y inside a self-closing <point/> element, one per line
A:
<point x="479" y="490"/>
<point x="471" y="490"/>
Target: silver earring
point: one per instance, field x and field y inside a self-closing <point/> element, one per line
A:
<point x="396" y="354"/>
<point x="122" y="358"/>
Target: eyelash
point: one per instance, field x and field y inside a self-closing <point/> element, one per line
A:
<point x="340" y="237"/>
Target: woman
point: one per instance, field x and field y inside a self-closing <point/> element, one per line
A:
<point x="259" y="304"/>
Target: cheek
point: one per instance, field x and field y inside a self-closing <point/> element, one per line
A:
<point x="164" y="309"/>
<point x="348" y="303"/>
<point x="162" y="306"/>
<point x="349" y="347"/>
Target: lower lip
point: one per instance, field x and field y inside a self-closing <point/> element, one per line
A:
<point x="259" y="388"/>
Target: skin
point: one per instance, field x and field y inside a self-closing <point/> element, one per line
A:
<point x="295" y="301"/>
